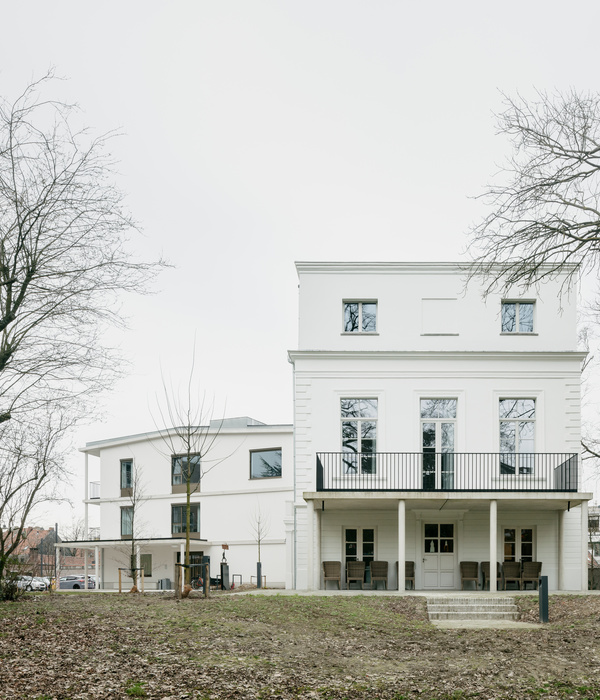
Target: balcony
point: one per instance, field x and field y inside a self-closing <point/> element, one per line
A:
<point x="435" y="471"/>
<point x="94" y="489"/>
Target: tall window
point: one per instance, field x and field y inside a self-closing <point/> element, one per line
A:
<point x="438" y="423"/>
<point x="126" y="473"/>
<point x="127" y="522"/>
<point x="265" y="464"/>
<point x="178" y="516"/>
<point x="517" y="316"/>
<point x="359" y="435"/>
<point x="181" y="470"/>
<point x="517" y="436"/>
<point x="360" y="317"/>
<point x="518" y="544"/>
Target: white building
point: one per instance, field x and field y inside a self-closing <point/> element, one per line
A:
<point x="431" y="425"/>
<point x="247" y="475"/>
<point x="435" y="426"/>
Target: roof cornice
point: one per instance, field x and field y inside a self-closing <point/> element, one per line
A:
<point x="407" y="268"/>
<point x="434" y="355"/>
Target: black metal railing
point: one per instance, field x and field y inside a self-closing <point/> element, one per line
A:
<point x="446" y="471"/>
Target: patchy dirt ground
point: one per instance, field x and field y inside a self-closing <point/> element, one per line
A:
<point x="120" y="646"/>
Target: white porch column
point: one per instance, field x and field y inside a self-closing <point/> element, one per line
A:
<point x="584" y="545"/>
<point x="85" y="570"/>
<point x="318" y="518"/>
<point x="401" y="544"/>
<point x="561" y="556"/>
<point x="493" y="544"/>
<point x="310" y="545"/>
<point x="181" y="561"/>
<point x="86" y="493"/>
<point x="96" y="567"/>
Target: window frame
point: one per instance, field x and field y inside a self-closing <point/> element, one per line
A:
<point x="520" y="467"/>
<point x="439" y="472"/>
<point x="126" y="488"/>
<point x="360" y="303"/>
<point x="193" y="533"/>
<point x="129" y="510"/>
<point x="182" y="486"/>
<point x="266" y="449"/>
<point x="518" y="543"/>
<point x="368" y="461"/>
<point x="517" y="304"/>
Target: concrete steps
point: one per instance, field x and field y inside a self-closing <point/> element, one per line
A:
<point x="475" y="607"/>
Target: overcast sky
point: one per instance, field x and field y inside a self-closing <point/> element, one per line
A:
<point x="259" y="133"/>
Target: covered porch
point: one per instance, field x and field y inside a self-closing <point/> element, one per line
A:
<point x="157" y="557"/>
<point x="437" y="531"/>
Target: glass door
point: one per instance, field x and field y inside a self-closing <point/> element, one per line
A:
<point x="438" y="421"/>
<point x="359" y="545"/>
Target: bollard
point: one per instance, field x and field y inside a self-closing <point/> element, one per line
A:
<point x="258" y="575"/>
<point x="543" y="596"/>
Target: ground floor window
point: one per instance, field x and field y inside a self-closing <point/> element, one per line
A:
<point x="518" y="544"/>
<point x="359" y="545"/>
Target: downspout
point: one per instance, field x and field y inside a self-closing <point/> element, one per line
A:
<point x="294" y="542"/>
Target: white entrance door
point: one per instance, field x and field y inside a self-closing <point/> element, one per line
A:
<point x="438" y="555"/>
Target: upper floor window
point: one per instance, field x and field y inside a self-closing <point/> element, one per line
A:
<point x="127" y="522"/>
<point x="265" y="464"/>
<point x="182" y="471"/>
<point x="359" y="434"/>
<point x="517" y="436"/>
<point x="517" y="316"/>
<point x="438" y="423"/>
<point x="360" y="317"/>
<point x="179" y="516"/>
<point x="126" y="473"/>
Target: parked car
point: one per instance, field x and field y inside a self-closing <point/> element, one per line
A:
<point x="30" y="583"/>
<point x="76" y="582"/>
<point x="44" y="580"/>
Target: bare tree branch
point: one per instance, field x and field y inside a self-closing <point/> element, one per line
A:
<point x="545" y="213"/>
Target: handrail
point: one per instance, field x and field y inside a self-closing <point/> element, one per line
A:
<point x="447" y="471"/>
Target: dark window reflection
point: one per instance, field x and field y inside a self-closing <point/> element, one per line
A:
<point x="265" y="464"/>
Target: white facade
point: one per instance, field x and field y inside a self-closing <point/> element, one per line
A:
<point x="422" y="364"/>
<point x="230" y="495"/>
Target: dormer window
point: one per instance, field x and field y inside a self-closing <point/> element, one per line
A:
<point x="517" y="316"/>
<point x="360" y="317"/>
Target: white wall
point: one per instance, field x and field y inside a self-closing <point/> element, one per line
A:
<point x="403" y="319"/>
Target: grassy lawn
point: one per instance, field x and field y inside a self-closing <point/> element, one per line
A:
<point x="125" y="646"/>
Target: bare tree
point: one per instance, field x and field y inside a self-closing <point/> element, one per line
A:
<point x="189" y="432"/>
<point x="63" y="263"/>
<point x="63" y="255"/>
<point x="31" y="461"/>
<point x="260" y="526"/>
<point x="545" y="211"/>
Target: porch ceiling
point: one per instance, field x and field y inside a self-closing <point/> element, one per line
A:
<point x="445" y="501"/>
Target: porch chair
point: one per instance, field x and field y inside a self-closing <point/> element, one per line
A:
<point x="332" y="571"/>
<point x="531" y="573"/>
<point x="511" y="571"/>
<point x="469" y="571"/>
<point x="485" y="572"/>
<point x="409" y="575"/>
<point x="355" y="571"/>
<point x="379" y="572"/>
